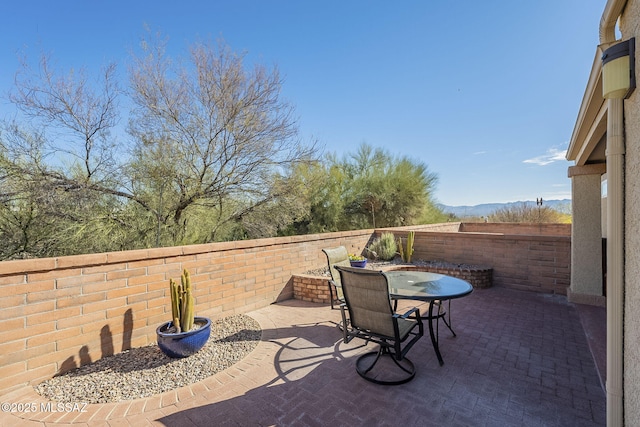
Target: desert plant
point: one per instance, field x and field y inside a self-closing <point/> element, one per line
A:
<point x="384" y="247"/>
<point x="523" y="212"/>
<point x="182" y="303"/>
<point x="405" y="254"/>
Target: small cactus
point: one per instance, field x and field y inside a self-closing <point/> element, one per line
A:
<point x="409" y="251"/>
<point x="182" y="303"/>
<point x="405" y="254"/>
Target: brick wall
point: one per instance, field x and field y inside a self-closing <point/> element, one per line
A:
<point x="532" y="262"/>
<point x="58" y="313"/>
<point x="517" y="228"/>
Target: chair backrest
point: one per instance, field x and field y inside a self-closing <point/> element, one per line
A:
<point x="366" y="293"/>
<point x="336" y="256"/>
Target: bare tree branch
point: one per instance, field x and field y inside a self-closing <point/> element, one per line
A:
<point x="225" y="125"/>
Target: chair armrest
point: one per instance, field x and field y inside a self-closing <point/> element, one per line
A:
<point x="408" y="313"/>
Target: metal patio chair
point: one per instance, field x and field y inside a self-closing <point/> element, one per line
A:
<point x="336" y="256"/>
<point x="372" y="318"/>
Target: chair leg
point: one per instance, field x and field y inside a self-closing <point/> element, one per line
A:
<point x="408" y="371"/>
<point x="343" y="326"/>
<point x="378" y="354"/>
<point x="331" y="298"/>
<point x="364" y="368"/>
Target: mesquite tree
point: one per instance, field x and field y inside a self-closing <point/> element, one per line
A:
<point x="214" y="135"/>
<point x="209" y="142"/>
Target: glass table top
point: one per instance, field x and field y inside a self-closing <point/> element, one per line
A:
<point x="422" y="285"/>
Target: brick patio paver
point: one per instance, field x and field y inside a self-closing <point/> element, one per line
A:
<point x="520" y="358"/>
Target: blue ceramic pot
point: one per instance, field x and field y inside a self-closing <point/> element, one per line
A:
<point x="360" y="264"/>
<point x="183" y="344"/>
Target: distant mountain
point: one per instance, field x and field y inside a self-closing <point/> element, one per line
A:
<point x="489" y="208"/>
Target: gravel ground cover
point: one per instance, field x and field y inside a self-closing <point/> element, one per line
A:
<point x="375" y="265"/>
<point x="145" y="371"/>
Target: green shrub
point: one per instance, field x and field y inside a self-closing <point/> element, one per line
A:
<point x="384" y="247"/>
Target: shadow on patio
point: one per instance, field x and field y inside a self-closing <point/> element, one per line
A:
<point x="520" y="358"/>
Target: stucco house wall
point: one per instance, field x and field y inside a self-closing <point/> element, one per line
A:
<point x="630" y="27"/>
<point x="606" y="142"/>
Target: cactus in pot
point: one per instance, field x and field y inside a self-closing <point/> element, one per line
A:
<point x="182" y="303"/>
<point x="185" y="334"/>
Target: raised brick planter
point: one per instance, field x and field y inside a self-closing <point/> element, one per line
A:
<point x="478" y="276"/>
<point x="311" y="288"/>
<point x="316" y="288"/>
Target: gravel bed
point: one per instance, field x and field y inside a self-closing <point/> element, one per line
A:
<point x="145" y="371"/>
<point x="374" y="265"/>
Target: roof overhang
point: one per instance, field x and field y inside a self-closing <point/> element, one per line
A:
<point x="587" y="145"/>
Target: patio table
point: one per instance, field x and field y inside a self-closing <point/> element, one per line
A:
<point x="428" y="287"/>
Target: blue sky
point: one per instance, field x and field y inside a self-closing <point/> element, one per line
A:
<point x="485" y="93"/>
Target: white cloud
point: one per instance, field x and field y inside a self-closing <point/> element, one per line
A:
<point x="551" y="156"/>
